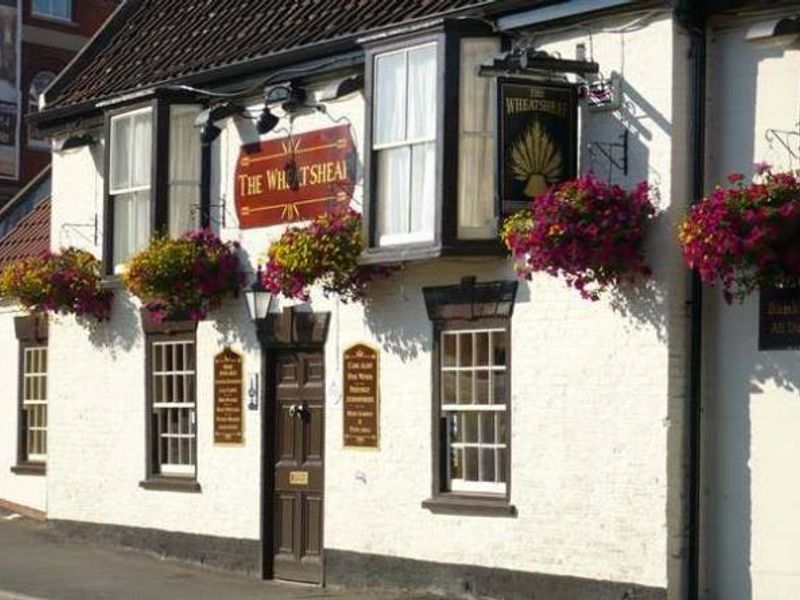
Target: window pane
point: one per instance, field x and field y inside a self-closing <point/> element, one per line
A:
<point x="465" y="350"/>
<point x="422" y="93"/>
<point x="141" y="149"/>
<point x="393" y="184"/>
<point x="423" y="192"/>
<point x="390" y="98"/>
<point x="184" y="171"/>
<point x="476" y="197"/>
<point x="131" y="224"/>
<point x="449" y="350"/>
<point x="120" y="154"/>
<point x="183" y="209"/>
<point x="62" y="8"/>
<point x="499" y="348"/>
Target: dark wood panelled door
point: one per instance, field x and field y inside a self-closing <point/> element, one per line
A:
<point x="299" y="472"/>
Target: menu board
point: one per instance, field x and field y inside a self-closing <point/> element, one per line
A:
<point x="361" y="417"/>
<point x="228" y="398"/>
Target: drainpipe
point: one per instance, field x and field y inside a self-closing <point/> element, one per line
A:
<point x="697" y="29"/>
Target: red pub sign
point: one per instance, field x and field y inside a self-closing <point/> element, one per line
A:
<point x="295" y="178"/>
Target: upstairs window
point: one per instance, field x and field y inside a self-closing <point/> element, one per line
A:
<point x="431" y="186"/>
<point x="130" y="177"/>
<point x="184" y="171"/>
<point x="152" y="195"/>
<point x="477" y="208"/>
<point x="405" y="144"/>
<point x="53" y="9"/>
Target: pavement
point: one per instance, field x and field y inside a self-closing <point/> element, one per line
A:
<point x="36" y="565"/>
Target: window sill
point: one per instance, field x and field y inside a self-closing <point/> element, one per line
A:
<point x="412" y="252"/>
<point x="34" y="469"/>
<point x="171" y="484"/>
<point x="399" y="253"/>
<point x="470" y="505"/>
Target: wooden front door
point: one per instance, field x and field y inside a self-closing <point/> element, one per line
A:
<point x="299" y="472"/>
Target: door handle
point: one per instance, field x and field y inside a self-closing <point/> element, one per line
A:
<point x="298" y="411"/>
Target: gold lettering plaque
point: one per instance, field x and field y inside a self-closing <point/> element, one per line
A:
<point x="298" y="478"/>
<point x="361" y="385"/>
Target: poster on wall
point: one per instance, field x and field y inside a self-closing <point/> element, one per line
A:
<point x="361" y="417"/>
<point x="295" y="178"/>
<point x="537" y="139"/>
<point x="9" y="89"/>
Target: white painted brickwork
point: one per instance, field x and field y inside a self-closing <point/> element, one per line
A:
<point x="752" y="402"/>
<point x="595" y="387"/>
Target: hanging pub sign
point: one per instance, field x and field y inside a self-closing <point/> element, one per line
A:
<point x="779" y="319"/>
<point x="361" y="397"/>
<point x="538" y="138"/>
<point x="295" y="178"/>
<point x="228" y="398"/>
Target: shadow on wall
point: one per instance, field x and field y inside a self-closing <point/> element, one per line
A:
<point x="120" y="334"/>
<point x="395" y="313"/>
<point x="732" y="345"/>
<point x="643" y="302"/>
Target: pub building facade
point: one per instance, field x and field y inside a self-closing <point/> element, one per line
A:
<point x="460" y="431"/>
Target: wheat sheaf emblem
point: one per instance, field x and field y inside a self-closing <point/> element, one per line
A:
<point x="535" y="160"/>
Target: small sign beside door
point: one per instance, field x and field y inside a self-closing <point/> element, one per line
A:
<point x="779" y="319"/>
<point x="361" y="417"/>
<point x="228" y="398"/>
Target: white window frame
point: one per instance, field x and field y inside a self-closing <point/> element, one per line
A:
<point x="161" y="407"/>
<point x="51" y="14"/>
<point x="448" y="410"/>
<point x="410" y="237"/>
<point x="113" y="191"/>
<point x="35" y="450"/>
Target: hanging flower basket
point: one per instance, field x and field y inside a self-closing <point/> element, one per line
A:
<point x="66" y="282"/>
<point x="324" y="252"/>
<point x="586" y="231"/>
<point x="745" y="237"/>
<point x="183" y="279"/>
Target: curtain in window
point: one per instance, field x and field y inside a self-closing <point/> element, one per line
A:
<point x="184" y="171"/>
<point x="131" y="224"/>
<point x="405" y="142"/>
<point x="131" y="151"/>
<point x="476" y="191"/>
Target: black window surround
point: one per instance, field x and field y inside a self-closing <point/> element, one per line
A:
<point x="160" y="103"/>
<point x="468" y="306"/>
<point x="447" y="34"/>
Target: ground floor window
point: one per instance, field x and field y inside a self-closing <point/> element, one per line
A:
<point x="474" y="407"/>
<point x="172" y="405"/>
<point x="471" y="389"/>
<point x="33" y="417"/>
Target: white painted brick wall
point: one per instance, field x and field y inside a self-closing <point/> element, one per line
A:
<point x="590" y="388"/>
